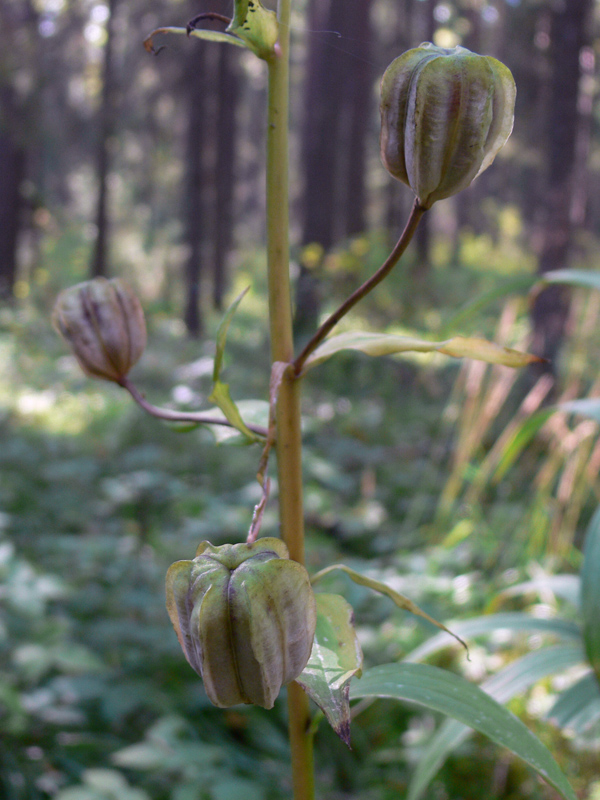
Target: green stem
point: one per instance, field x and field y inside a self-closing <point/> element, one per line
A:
<point x="383" y="271"/>
<point x="289" y="443"/>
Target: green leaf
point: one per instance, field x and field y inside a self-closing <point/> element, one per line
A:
<point x="506" y="684"/>
<point x="106" y="781"/>
<point x="75" y="658"/>
<point x="450" y="694"/>
<point x="568" y="587"/>
<point x="211" y="36"/>
<point x="220" y="397"/>
<point x="234" y="788"/>
<point x="256" y="25"/>
<point x="78" y="793"/>
<point x="490" y="623"/>
<point x="586" y="407"/>
<point x="578" y="707"/>
<point x="520" y="439"/>
<point x="384" y="344"/>
<point x="335" y="659"/>
<point x="399" y="599"/>
<point x="144" y="756"/>
<point x="572" y="277"/>
<point x="222" y="335"/>
<point x="253" y="412"/>
<point x="590" y="592"/>
<point x="520" y="284"/>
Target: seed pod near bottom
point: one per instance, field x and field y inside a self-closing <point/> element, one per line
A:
<point x="245" y="617"/>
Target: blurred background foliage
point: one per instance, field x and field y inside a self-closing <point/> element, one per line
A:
<point x="421" y="471"/>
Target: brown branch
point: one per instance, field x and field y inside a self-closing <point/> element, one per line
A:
<point x="181" y="416"/>
<point x="383" y="271"/>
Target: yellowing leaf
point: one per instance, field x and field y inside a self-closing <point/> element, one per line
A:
<point x="385" y="344"/>
<point x="481" y="350"/>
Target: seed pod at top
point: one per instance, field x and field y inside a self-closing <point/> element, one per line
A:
<point x="104" y="324"/>
<point x="245" y="617"/>
<point x="445" y="114"/>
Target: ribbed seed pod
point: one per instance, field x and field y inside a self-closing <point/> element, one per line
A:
<point x="245" y="617"/>
<point x="445" y="114"/>
<point x="104" y="324"/>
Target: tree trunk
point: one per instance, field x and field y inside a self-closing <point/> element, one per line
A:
<point x="358" y="85"/>
<point x="12" y="174"/>
<point x="323" y="141"/>
<point x="567" y="37"/>
<point x="194" y="172"/>
<point x="106" y="130"/>
<point x="228" y="78"/>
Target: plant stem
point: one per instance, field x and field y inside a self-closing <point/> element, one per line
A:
<point x="383" y="271"/>
<point x="289" y="443"/>
<point x="169" y="415"/>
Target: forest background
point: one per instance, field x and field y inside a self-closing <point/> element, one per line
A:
<point x="117" y="162"/>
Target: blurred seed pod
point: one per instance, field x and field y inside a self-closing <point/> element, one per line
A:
<point x="103" y="322"/>
<point x="245" y="617"/>
<point x="445" y="114"/>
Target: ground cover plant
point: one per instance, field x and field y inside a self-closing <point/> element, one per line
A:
<point x="181" y="757"/>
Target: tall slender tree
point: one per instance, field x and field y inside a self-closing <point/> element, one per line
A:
<point x="226" y="137"/>
<point x="199" y="59"/>
<point x="568" y="34"/>
<point x="336" y="122"/>
<point x="13" y="159"/>
<point x="18" y="131"/>
<point x="360" y="72"/>
<point x="106" y="129"/>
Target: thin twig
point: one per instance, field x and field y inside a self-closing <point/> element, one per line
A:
<point x="383" y="271"/>
<point x="211" y="15"/>
<point x="181" y="416"/>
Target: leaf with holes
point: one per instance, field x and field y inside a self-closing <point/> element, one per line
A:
<point x="335" y="659"/>
<point x="256" y="25"/>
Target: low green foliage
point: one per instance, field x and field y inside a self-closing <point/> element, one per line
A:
<point x="98" y="500"/>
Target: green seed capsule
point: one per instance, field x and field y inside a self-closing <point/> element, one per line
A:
<point x="445" y="114"/>
<point x="245" y="617"/>
<point x="104" y="324"/>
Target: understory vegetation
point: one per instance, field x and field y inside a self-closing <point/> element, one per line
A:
<point x="441" y="490"/>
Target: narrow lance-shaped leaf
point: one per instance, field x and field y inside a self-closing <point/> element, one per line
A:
<point x="221" y="397"/>
<point x="590" y="593"/>
<point x="253" y="412"/>
<point x="440" y="690"/>
<point x="399" y="599"/>
<point x="503" y="686"/>
<point x="578" y="707"/>
<point x="335" y="659"/>
<point x="492" y="623"/>
<point x="222" y="334"/>
<point x="210" y="36"/>
<point x="523" y="283"/>
<point x="385" y="344"/>
<point x="521" y="437"/>
<point x="572" y="277"/>
<point x="586" y="407"/>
